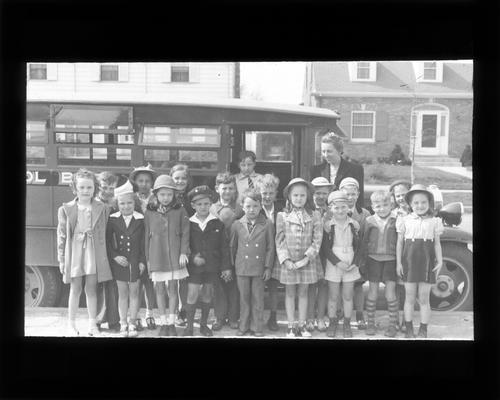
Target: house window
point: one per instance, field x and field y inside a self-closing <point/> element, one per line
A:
<point x="180" y="73"/>
<point x="430" y="71"/>
<point x="38" y="71"/>
<point x="109" y="72"/>
<point x="363" y="126"/>
<point x="363" y="70"/>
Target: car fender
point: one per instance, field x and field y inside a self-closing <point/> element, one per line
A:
<point x="453" y="234"/>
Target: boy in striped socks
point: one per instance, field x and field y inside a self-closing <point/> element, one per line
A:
<point x="379" y="259"/>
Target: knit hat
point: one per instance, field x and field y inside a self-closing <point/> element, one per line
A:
<point x="419" y="188"/>
<point x="348" y="181"/>
<point x="337" y="196"/>
<point x="164" y="181"/>
<point x="295" y="181"/>
<point x="200" y="192"/>
<point x="126" y="188"/>
<point x="321" y="181"/>
<point x="147" y="169"/>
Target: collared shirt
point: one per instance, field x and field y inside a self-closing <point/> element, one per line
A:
<point x="202" y="224"/>
<point x="242" y="182"/>
<point x="127" y="219"/>
<point x="269" y="214"/>
<point x="413" y="226"/>
<point x="333" y="173"/>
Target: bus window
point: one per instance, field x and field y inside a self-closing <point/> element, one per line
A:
<point x="36" y="132"/>
<point x="35" y="155"/>
<point x="80" y="155"/>
<point x="37" y="117"/>
<point x="112" y="118"/>
<point x="181" y="135"/>
<point x="195" y="159"/>
<point x="270" y="146"/>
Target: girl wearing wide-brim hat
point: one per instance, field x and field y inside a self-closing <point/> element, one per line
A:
<point x="299" y="231"/>
<point x="418" y="254"/>
<point x="167" y="247"/>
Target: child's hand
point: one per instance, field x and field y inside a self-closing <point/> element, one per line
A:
<point x="302" y="263"/>
<point x="183" y="260"/>
<point x="290" y="265"/>
<point x="399" y="270"/>
<point x="267" y="274"/>
<point x="61" y="268"/>
<point x="142" y="267"/>
<point x="226" y="275"/>
<point x="121" y="260"/>
<point x="198" y="260"/>
<point x="342" y="265"/>
<point x="437" y="268"/>
<point x="349" y="267"/>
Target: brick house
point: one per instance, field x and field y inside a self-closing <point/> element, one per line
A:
<point x="383" y="103"/>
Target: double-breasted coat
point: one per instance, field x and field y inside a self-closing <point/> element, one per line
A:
<point x="67" y="216"/>
<point x="252" y="252"/>
<point x="127" y="242"/>
<point x="296" y="239"/>
<point x="166" y="238"/>
<point x="212" y="244"/>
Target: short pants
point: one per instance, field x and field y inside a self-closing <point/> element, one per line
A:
<point x="203" y="277"/>
<point x="336" y="274"/>
<point x="161" y="276"/>
<point x="381" y="271"/>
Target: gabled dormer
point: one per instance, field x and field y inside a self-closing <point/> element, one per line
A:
<point x="428" y="71"/>
<point x="362" y="71"/>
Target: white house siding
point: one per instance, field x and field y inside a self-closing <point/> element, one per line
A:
<point x="215" y="80"/>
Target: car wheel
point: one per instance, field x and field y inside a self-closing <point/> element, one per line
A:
<point x="453" y="288"/>
<point x="42" y="286"/>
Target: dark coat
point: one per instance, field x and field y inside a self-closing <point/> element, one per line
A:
<point x="212" y="244"/>
<point x="346" y="170"/>
<point x="252" y="252"/>
<point x="326" y="252"/>
<point x="67" y="216"/>
<point x="126" y="242"/>
<point x="373" y="244"/>
<point x="166" y="238"/>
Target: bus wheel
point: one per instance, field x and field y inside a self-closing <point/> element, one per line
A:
<point x="42" y="286"/>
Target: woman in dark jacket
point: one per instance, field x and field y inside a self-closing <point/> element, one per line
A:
<point x="335" y="168"/>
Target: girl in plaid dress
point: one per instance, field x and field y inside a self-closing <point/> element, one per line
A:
<point x="299" y="231"/>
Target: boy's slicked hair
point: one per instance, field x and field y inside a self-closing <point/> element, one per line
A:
<point x="225" y="178"/>
<point x="85" y="174"/>
<point x="380" y="195"/>
<point x="253" y="194"/>
<point x="247" y="154"/>
<point x="107" y="177"/>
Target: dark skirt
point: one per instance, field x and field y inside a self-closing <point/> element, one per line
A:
<point x="125" y="274"/>
<point x="419" y="259"/>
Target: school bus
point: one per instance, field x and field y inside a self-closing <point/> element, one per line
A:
<point x="116" y="136"/>
<point x="207" y="135"/>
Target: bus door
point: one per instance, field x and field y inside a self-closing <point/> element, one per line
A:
<point x="276" y="149"/>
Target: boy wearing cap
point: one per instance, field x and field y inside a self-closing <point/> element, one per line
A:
<point x="378" y="257"/>
<point x="167" y="247"/>
<point x="142" y="179"/>
<point x="340" y="254"/>
<point x="350" y="187"/>
<point x="227" y="298"/>
<point x="252" y="252"/>
<point x="209" y="255"/>
<point x="318" y="292"/>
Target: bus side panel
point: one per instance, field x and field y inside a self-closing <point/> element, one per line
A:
<point x="41" y="247"/>
<point x="61" y="194"/>
<point x="39" y="206"/>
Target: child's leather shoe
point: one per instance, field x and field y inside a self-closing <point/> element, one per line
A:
<point x="391" y="331"/>
<point x="370" y="329"/>
<point x="163" y="331"/>
<point x="347" y="328"/>
<point x="205" y="330"/>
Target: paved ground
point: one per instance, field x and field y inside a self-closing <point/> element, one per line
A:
<point x="444" y="325"/>
<point x="456" y="170"/>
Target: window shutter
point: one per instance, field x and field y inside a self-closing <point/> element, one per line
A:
<point x="95" y="71"/>
<point x="381" y="126"/>
<point x="443" y="125"/>
<point x="418" y="67"/>
<point x="123" y="72"/>
<point x="166" y="72"/>
<point x="352" y="69"/>
<point x="194" y="72"/>
<point x="52" y="71"/>
<point x="373" y="71"/>
<point x="439" y="71"/>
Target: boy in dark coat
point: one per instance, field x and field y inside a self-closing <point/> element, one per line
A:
<point x="209" y="256"/>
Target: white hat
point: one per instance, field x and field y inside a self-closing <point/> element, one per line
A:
<point x="348" y="181"/>
<point x="126" y="188"/>
<point x="321" y="181"/>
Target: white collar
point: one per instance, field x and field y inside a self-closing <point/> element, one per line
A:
<point x="135" y="214"/>
<point x="271" y="211"/>
<point x="252" y="175"/>
<point x="203" y="224"/>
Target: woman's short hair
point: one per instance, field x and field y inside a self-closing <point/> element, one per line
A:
<point x="247" y="154"/>
<point x="336" y="141"/>
<point x="268" y="181"/>
<point x="84" y="173"/>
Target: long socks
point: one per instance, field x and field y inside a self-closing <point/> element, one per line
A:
<point x="205" y="309"/>
<point x="371" y="306"/>
<point x="190" y="312"/>
<point x="393" y="312"/>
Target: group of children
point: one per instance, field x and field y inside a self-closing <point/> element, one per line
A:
<point x="158" y="235"/>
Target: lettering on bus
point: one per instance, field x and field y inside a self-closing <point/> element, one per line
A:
<point x="48" y="178"/>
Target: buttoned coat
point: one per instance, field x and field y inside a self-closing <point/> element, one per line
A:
<point x="212" y="244"/>
<point x="294" y="241"/>
<point x="127" y="242"/>
<point x="252" y="252"/>
<point x="166" y="238"/>
<point x="346" y="170"/>
<point x="67" y="216"/>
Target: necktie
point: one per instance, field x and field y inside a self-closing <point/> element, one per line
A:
<point x="250" y="183"/>
<point x="250" y="227"/>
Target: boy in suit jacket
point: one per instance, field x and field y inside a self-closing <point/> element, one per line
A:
<point x="252" y="252"/>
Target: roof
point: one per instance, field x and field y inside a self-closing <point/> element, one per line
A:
<point x="394" y="78"/>
<point x="161" y="99"/>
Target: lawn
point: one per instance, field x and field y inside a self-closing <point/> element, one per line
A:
<point x="384" y="174"/>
